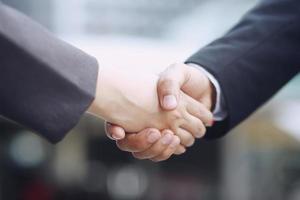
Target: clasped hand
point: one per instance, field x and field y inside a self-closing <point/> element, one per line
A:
<point x="162" y="115"/>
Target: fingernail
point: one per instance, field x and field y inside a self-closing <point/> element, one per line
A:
<point x="175" y="142"/>
<point x="117" y="136"/>
<point x="167" y="139"/>
<point x="170" y="101"/>
<point x="153" y="137"/>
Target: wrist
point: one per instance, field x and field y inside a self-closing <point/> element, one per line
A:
<point x="93" y="107"/>
<point x="105" y="91"/>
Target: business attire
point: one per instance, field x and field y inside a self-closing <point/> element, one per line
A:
<point x="253" y="60"/>
<point x="45" y="84"/>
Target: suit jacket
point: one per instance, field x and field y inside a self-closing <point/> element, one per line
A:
<point x="45" y="84"/>
<point x="254" y="59"/>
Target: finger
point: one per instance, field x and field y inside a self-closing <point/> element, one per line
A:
<point x="193" y="126"/>
<point x="169" y="85"/>
<point x="141" y="141"/>
<point x="169" y="151"/>
<point x="186" y="138"/>
<point x="180" y="150"/>
<point x="157" y="148"/>
<point x="208" y="102"/>
<point x="199" y="110"/>
<point x="114" y="132"/>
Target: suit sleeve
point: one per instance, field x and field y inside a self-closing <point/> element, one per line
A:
<point x="254" y="59"/>
<point x="45" y="84"/>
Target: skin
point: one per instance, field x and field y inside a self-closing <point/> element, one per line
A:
<point x="175" y="79"/>
<point x="132" y="102"/>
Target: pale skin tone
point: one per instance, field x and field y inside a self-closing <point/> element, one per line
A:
<point x="177" y="78"/>
<point x="131" y="101"/>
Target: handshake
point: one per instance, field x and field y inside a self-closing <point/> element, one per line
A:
<point x="151" y="116"/>
<point x="154" y="116"/>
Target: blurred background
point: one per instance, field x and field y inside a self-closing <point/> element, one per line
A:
<point x="258" y="160"/>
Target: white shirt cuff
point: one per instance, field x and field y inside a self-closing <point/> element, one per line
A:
<point x="220" y="111"/>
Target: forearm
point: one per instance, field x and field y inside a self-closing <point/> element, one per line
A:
<point x="255" y="59"/>
<point x="103" y="93"/>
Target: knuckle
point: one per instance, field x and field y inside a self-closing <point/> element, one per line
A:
<point x="137" y="145"/>
<point x="175" y="144"/>
<point x="175" y="115"/>
<point x="187" y="139"/>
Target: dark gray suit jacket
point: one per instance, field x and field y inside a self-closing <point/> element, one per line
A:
<point x="254" y="59"/>
<point x="45" y="84"/>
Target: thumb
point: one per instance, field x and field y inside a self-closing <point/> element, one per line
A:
<point x="114" y="132"/>
<point x="169" y="85"/>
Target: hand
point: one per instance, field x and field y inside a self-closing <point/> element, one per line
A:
<point x="190" y="80"/>
<point x="131" y="101"/>
<point x="139" y="144"/>
<point x="179" y="76"/>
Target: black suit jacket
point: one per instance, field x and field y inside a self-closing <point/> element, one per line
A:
<point x="45" y="84"/>
<point x="254" y="59"/>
